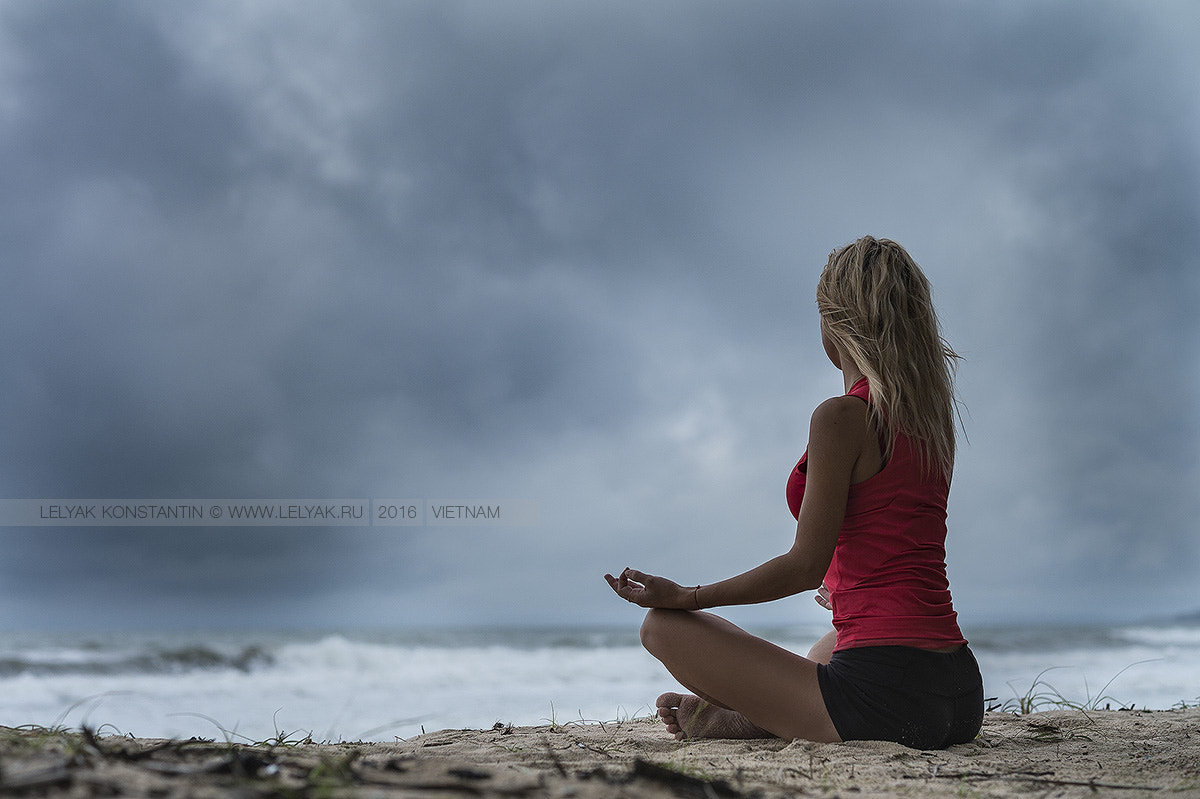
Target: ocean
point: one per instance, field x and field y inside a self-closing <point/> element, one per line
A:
<point x="383" y="685"/>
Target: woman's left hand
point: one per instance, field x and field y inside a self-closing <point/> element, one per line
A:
<point x="648" y="591"/>
<point x="822" y="597"/>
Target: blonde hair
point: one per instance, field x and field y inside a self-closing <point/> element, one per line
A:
<point x="877" y="306"/>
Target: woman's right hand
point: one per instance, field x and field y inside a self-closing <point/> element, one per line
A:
<point x="649" y="591"/>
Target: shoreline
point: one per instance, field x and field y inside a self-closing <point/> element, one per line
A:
<point x="1067" y="753"/>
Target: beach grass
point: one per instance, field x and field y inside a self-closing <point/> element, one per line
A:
<point x="1043" y="695"/>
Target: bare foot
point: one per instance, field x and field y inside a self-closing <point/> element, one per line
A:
<point x="688" y="716"/>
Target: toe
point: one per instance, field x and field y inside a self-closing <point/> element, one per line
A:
<point x="670" y="700"/>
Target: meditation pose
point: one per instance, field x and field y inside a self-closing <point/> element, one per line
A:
<point x="869" y="496"/>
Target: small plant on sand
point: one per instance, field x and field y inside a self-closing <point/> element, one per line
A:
<point x="280" y="738"/>
<point x="553" y="720"/>
<point x="31" y="737"/>
<point x="284" y="738"/>
<point x="1041" y="695"/>
<point x="624" y="716"/>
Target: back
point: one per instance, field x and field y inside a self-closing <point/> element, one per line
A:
<point x="887" y="580"/>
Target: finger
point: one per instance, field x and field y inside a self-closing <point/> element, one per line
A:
<point x="634" y="574"/>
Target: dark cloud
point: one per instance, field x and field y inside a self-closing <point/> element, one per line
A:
<point x="1108" y="156"/>
<point x="568" y="254"/>
<point x="101" y="95"/>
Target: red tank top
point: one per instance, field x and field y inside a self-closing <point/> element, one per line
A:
<point x="887" y="580"/>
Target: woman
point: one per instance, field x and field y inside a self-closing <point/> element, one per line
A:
<point x="869" y="496"/>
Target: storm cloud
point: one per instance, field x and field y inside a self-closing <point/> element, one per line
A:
<point x="567" y="253"/>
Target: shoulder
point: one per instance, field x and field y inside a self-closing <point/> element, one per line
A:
<point x="835" y="437"/>
<point x="838" y="421"/>
<point x="838" y="411"/>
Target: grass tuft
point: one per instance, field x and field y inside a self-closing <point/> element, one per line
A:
<point x="1042" y="695"/>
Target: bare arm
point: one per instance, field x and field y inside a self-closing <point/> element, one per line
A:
<point x="834" y="446"/>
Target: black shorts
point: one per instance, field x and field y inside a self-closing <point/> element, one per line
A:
<point x="922" y="699"/>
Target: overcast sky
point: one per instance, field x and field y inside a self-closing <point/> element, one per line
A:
<point x="567" y="253"/>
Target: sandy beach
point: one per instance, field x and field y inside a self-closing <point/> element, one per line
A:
<point x="1062" y="753"/>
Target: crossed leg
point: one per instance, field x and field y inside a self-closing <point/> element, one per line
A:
<point x="744" y="686"/>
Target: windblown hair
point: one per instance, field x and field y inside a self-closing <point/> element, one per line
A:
<point x="876" y="304"/>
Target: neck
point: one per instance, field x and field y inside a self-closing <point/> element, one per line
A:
<point x="851" y="375"/>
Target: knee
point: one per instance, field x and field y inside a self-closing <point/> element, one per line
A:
<point x="658" y="626"/>
<point x="649" y="626"/>
<point x="822" y="650"/>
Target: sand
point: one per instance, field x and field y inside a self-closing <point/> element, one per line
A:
<point x="1062" y="753"/>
